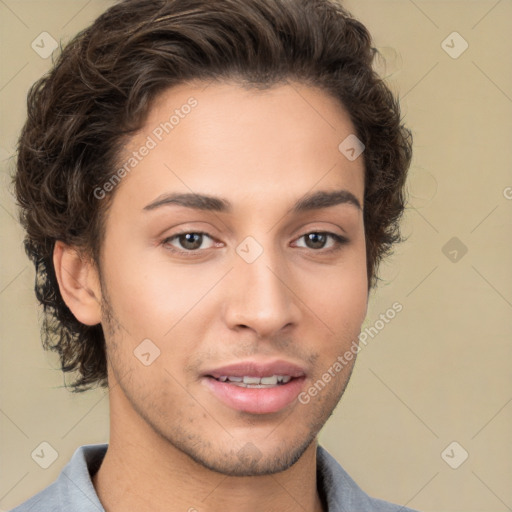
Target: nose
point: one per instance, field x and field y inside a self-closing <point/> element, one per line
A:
<point x="260" y="296"/>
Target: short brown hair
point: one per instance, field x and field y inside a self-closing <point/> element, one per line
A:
<point x="102" y="86"/>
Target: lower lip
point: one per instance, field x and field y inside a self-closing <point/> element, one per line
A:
<point x="256" y="400"/>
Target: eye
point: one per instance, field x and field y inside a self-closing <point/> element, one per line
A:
<point x="321" y="240"/>
<point x="188" y="242"/>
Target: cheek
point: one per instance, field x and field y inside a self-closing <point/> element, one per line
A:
<point x="339" y="295"/>
<point x="153" y="298"/>
<point x="345" y="301"/>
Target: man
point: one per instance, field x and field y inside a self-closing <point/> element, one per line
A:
<point x="208" y="187"/>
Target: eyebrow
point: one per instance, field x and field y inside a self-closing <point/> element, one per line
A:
<point x="312" y="201"/>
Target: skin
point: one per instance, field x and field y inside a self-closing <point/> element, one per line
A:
<point x="174" y="446"/>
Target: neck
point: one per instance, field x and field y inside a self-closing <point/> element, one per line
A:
<point x="142" y="471"/>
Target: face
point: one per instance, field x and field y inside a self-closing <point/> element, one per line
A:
<point x="233" y="273"/>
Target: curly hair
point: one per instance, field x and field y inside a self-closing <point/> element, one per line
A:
<point x="101" y="87"/>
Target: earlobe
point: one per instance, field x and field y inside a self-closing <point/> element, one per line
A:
<point x="78" y="283"/>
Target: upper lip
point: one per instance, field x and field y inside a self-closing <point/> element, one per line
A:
<point x="257" y="369"/>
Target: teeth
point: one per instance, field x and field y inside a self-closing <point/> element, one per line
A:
<point x="252" y="380"/>
<point x="256" y="382"/>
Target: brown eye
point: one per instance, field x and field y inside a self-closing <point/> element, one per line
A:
<point x="188" y="242"/>
<point x="315" y="240"/>
<point x="320" y="240"/>
<point x="191" y="241"/>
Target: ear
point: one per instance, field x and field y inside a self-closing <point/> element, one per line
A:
<point x="79" y="283"/>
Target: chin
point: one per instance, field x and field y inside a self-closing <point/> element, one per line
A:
<point x="249" y="460"/>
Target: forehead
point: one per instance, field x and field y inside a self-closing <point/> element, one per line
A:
<point x="223" y="139"/>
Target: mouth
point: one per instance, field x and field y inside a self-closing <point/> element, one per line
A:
<point x="256" y="388"/>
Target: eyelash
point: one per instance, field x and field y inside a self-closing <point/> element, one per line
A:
<point x="339" y="242"/>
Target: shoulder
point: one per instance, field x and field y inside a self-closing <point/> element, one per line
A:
<point x="45" y="501"/>
<point x="73" y="489"/>
<point x="342" y="494"/>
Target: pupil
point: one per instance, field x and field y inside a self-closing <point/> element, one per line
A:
<point x="315" y="240"/>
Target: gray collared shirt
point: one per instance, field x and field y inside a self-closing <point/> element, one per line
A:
<point x="73" y="491"/>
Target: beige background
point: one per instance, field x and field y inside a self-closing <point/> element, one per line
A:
<point x="439" y="372"/>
